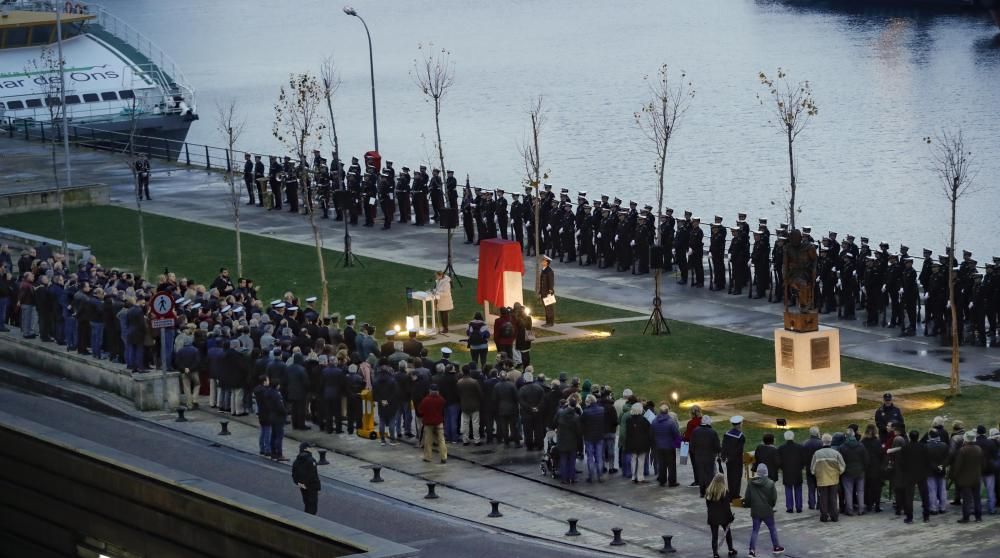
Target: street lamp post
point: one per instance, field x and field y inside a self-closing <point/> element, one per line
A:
<point x="371" y="66"/>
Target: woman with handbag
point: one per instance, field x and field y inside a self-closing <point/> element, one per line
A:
<point x="720" y="514"/>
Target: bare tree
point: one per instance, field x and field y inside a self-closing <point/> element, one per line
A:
<point x="434" y="74"/>
<point x="659" y="119"/>
<point x="953" y="163"/>
<point x="48" y="69"/>
<point x="132" y="160"/>
<point x="331" y="83"/>
<point x="532" y="157"/>
<point x="296" y="122"/>
<point x="793" y="105"/>
<point x="230" y="126"/>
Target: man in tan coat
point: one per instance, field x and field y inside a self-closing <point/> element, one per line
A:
<point x="827" y="466"/>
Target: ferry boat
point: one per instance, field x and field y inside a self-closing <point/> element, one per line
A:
<point x="117" y="82"/>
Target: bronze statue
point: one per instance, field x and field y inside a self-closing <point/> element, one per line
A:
<point x="799" y="268"/>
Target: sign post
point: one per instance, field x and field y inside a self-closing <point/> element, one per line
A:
<point x="163" y="319"/>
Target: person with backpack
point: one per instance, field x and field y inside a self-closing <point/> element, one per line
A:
<point x="760" y="497"/>
<point x="478" y="339"/>
<point x="506" y="333"/>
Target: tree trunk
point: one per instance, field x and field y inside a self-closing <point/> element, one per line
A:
<point x="59" y="196"/>
<point x="437" y="129"/>
<point x="325" y="295"/>
<point x="538" y="204"/>
<point x="236" y="218"/>
<point x="791" y="172"/>
<point x="318" y="241"/>
<point x="956" y="387"/>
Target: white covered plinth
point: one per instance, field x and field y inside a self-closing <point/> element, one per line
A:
<point x="807" y="367"/>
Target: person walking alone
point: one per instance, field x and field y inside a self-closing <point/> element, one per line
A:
<point x="760" y="497"/>
<point x="306" y="477"/>
<point x="720" y="514"/>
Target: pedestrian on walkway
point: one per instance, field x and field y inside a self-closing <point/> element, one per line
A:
<point x="913" y="469"/>
<point x="666" y="438"/>
<point x="692" y="424"/>
<point x="827" y="465"/>
<point x="967" y="472"/>
<point x="470" y="396"/>
<point x="790" y="458"/>
<point x="937" y="460"/>
<point x="431" y="412"/>
<point x="853" y="480"/>
<point x="305" y="475"/>
<point x="705" y="448"/>
<point x="638" y="440"/>
<point x="809" y="448"/>
<point x="874" y="469"/>
<point x="478" y="339"/>
<point x="263" y="415"/>
<point x="567" y="432"/>
<point x="720" y="514"/>
<point x="592" y="424"/>
<point x="760" y="497"/>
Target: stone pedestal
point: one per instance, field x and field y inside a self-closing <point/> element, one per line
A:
<point x="807" y="367"/>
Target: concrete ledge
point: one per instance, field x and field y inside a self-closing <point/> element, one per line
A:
<point x="37" y="200"/>
<point x="20" y="240"/>
<point x="800" y="400"/>
<point x="144" y="390"/>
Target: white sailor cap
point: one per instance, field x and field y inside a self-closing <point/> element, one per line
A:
<point x="275" y="302"/>
<point x="582" y="194"/>
<point x="279" y="305"/>
<point x="311" y="299"/>
<point x="390" y="333"/>
<point x="293" y="308"/>
<point x="350" y="318"/>
<point x="196" y="306"/>
<point x="412" y="330"/>
<point x="546" y="258"/>
<point x="226" y="308"/>
<point x="736" y="419"/>
<point x="237" y="310"/>
<point x="445" y="351"/>
<point x="179" y="300"/>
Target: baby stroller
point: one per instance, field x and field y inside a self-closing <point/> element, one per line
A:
<point x="550" y="456"/>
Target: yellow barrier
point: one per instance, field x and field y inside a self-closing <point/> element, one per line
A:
<point x="367" y="429"/>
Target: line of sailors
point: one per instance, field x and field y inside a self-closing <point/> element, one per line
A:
<point x="850" y="277"/>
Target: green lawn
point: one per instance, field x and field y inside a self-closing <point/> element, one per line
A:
<point x="696" y="362"/>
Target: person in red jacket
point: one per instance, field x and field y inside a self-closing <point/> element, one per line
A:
<point x="431" y="413"/>
<point x="505" y="333"/>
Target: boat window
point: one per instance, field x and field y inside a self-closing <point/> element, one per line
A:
<point x="40" y="34"/>
<point x="52" y="102"/>
<point x="16" y="37"/>
<point x="15" y="105"/>
<point x="91" y="97"/>
<point x="126" y="94"/>
<point x="72" y="99"/>
<point x="34" y="103"/>
<point x="109" y="96"/>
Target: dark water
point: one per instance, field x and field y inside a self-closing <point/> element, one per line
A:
<point x="883" y="79"/>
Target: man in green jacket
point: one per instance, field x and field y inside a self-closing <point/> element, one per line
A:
<point x="760" y="497"/>
<point x="967" y="472"/>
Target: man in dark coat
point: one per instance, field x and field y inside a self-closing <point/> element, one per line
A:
<point x="505" y="396"/>
<point x="135" y="335"/>
<point x="531" y="400"/>
<point x="567" y="432"/>
<point x="298" y="389"/>
<point x="305" y="475"/>
<point x="260" y="394"/>
<point x="791" y="462"/>
<point x="705" y="448"/>
<point x="235" y="368"/>
<point x="547" y="288"/>
<point x="334" y="387"/>
<point x="913" y="464"/>
<point x="809" y="447"/>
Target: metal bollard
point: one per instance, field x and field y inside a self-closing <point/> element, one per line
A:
<point x="668" y="548"/>
<point x="572" y="528"/>
<point x="431" y="495"/>
<point x="376" y="474"/>
<point x="496" y="509"/>
<point x="180" y="415"/>
<point x="617" y="540"/>
<point x="322" y="458"/>
<point x="225" y="428"/>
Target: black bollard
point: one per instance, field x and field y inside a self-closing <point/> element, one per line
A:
<point x="225" y="428"/>
<point x="617" y="540"/>
<point x="431" y="495"/>
<point x="377" y="474"/>
<point x="572" y="528"/>
<point x="668" y="548"/>
<point x="322" y="458"/>
<point x="180" y="415"/>
<point x="496" y="509"/>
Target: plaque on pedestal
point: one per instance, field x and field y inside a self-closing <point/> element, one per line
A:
<point x="807" y="366"/>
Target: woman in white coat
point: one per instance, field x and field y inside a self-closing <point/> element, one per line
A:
<point x="442" y="291"/>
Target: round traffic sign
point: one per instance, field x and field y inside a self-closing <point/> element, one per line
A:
<point x="163" y="304"/>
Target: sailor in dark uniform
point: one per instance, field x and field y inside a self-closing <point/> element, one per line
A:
<point x="641" y="246"/>
<point x="421" y="208"/>
<point x="451" y="188"/>
<point x="258" y="179"/>
<point x="387" y="198"/>
<point x="777" y="264"/>
<point x="892" y="287"/>
<point x="586" y="237"/>
<point x="873" y="290"/>
<point x="516" y="218"/>
<point x="291" y="185"/>
<point x="324" y="189"/>
<point x="623" y="242"/>
<point x="567" y="232"/>
<point x="478" y="204"/>
<point x="761" y="270"/>
<point x="437" y="194"/>
<point x="355" y="195"/>
<point x="274" y="170"/>
<point x="490" y="216"/>
<point x="468" y="218"/>
<point x="369" y="196"/>
<point x="667" y="224"/>
<point x="547" y="287"/>
<point x="248" y="177"/>
<point x="848" y="283"/>
<point x="142" y="170"/>
<point x="528" y="213"/>
<point x="502" y="214"/>
<point x="696" y="243"/>
<point x="403" y="195"/>
<point x="717" y="255"/>
<point x="682" y="240"/>
<point x="910" y="298"/>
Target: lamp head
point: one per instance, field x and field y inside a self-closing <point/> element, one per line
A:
<point x="350" y="11"/>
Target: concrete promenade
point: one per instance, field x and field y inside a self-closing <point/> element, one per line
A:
<point x="203" y="197"/>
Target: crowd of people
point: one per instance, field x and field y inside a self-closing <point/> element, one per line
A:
<point x="286" y="363"/>
<point x="852" y="275"/>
